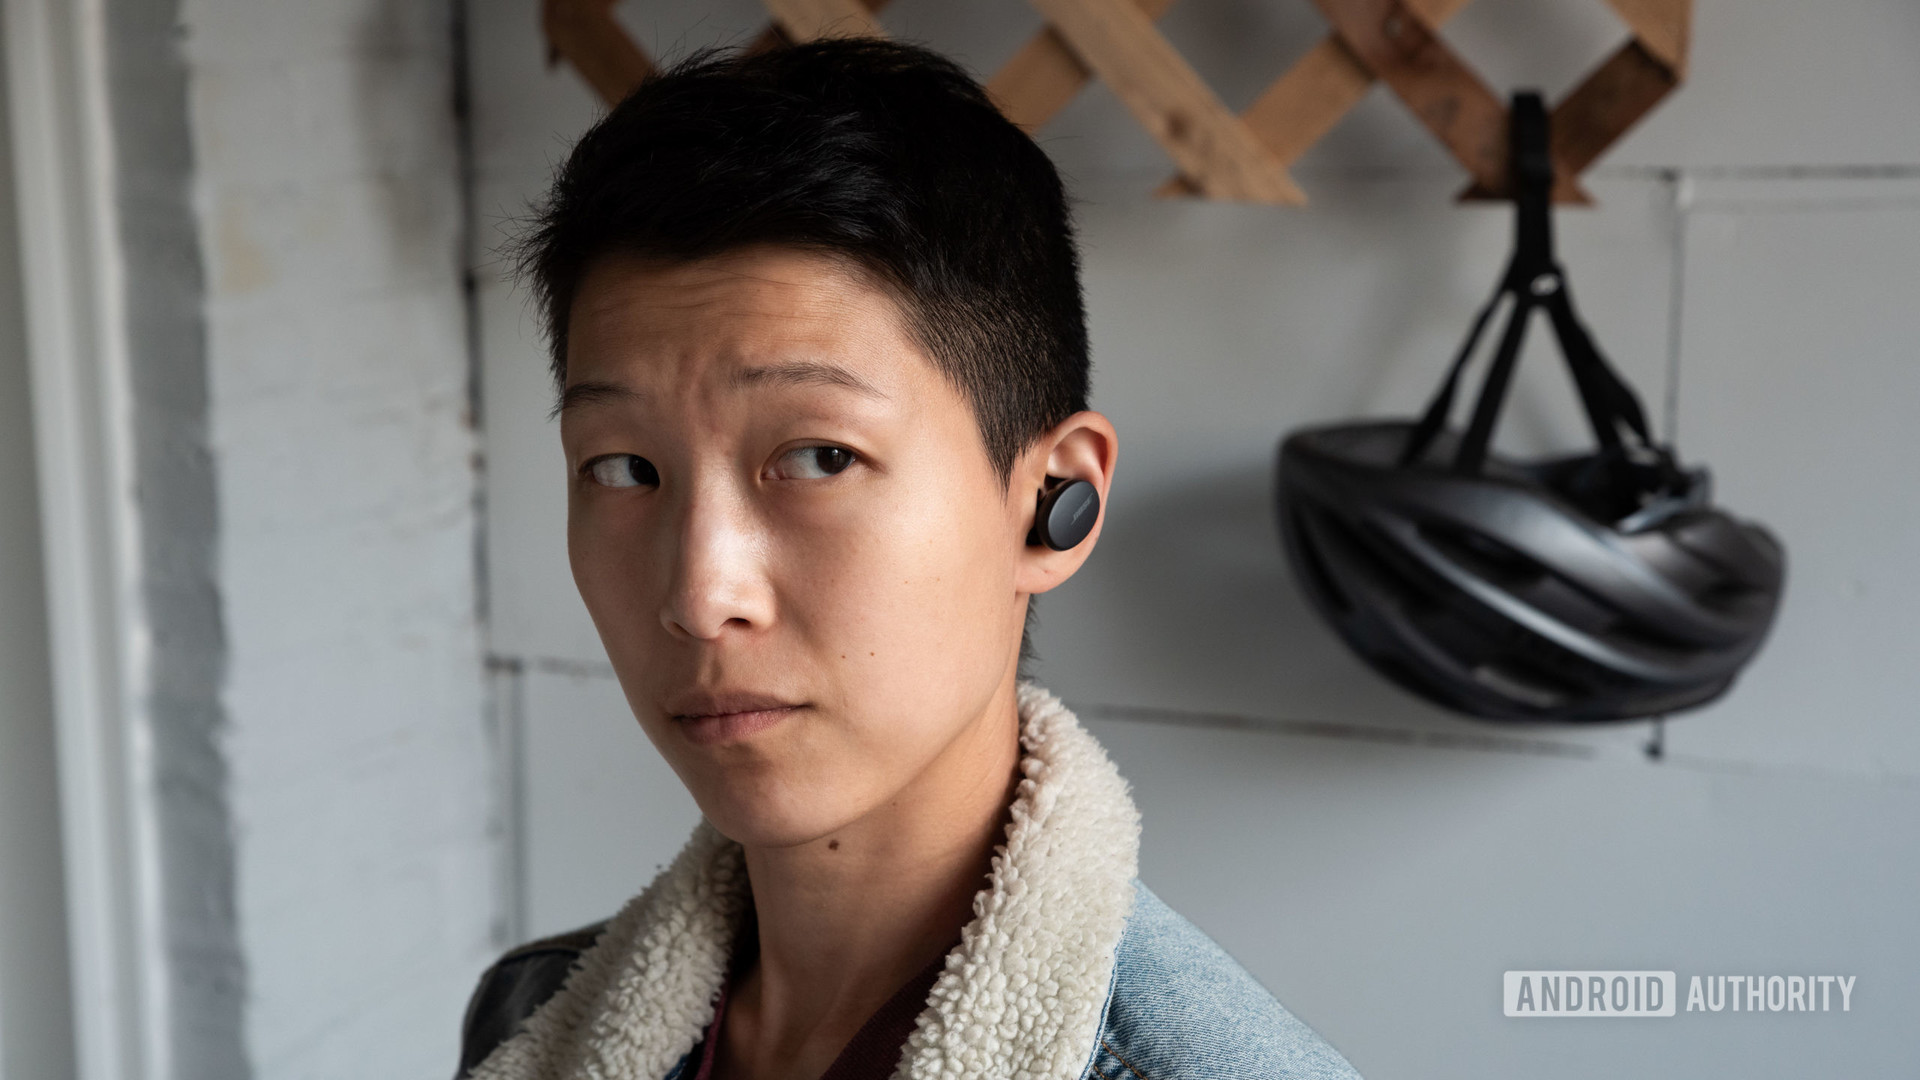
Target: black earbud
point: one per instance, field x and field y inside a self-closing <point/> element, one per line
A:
<point x="1064" y="513"/>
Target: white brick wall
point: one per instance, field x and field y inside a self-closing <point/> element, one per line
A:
<point x="330" y="221"/>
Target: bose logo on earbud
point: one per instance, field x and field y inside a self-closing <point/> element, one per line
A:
<point x="1060" y="518"/>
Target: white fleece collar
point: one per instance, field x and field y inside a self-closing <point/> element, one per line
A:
<point x="1022" y="994"/>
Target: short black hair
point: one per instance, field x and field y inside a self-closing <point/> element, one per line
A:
<point x="885" y="154"/>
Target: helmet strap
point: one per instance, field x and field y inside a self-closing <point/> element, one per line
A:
<point x="1533" y="280"/>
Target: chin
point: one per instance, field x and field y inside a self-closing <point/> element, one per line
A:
<point x="755" y="813"/>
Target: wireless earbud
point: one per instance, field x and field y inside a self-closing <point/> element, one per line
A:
<point x="1064" y="513"/>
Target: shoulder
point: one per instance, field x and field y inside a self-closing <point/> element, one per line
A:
<point x="518" y="983"/>
<point x="1180" y="1007"/>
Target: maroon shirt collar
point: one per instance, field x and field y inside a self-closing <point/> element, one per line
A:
<point x="874" y="1050"/>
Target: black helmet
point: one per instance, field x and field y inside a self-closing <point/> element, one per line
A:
<point x="1601" y="586"/>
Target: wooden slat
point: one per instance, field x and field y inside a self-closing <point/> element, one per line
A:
<point x="1246" y="157"/>
<point x="773" y="37"/>
<point x="769" y="39"/>
<point x="1663" y="26"/>
<point x="1305" y="103"/>
<point x="808" y="20"/>
<point x="1606" y="104"/>
<point x="1039" y="81"/>
<point x="1300" y="107"/>
<point x="1615" y="96"/>
<point x="1403" y="50"/>
<point x="1436" y="12"/>
<point x="1593" y="117"/>
<point x="587" y="35"/>
<point x="1116" y="40"/>
<point x="1045" y="75"/>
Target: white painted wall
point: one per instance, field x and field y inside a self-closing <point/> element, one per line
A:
<point x="36" y="1023"/>
<point x="1377" y="862"/>
<point x="328" y="195"/>
<point x="244" y="241"/>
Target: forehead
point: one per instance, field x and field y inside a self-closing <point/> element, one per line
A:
<point x="653" y="321"/>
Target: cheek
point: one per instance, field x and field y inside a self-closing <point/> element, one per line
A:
<point x="923" y="588"/>
<point x="905" y="620"/>
<point x="605" y="556"/>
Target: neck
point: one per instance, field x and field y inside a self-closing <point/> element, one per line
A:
<point x="847" y="919"/>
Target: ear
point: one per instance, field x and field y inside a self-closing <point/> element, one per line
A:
<point x="1084" y="446"/>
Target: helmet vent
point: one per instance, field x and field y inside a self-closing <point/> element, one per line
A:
<point x="1484" y="556"/>
<point x="1527" y="689"/>
<point x="1648" y="641"/>
<point x="1309" y="551"/>
<point x="1730" y="597"/>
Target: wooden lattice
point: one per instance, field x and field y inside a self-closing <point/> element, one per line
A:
<point x="1221" y="155"/>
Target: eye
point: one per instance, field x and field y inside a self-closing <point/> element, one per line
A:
<point x="812" y="462"/>
<point x="623" y="470"/>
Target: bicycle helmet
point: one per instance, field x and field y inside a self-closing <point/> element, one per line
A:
<point x="1600" y="586"/>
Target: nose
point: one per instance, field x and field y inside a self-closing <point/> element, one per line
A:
<point x="716" y="578"/>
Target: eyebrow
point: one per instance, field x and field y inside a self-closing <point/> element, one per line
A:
<point x="805" y="373"/>
<point x="788" y="373"/>
<point x="593" y="393"/>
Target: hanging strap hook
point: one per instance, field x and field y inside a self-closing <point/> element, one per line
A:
<point x="1533" y="279"/>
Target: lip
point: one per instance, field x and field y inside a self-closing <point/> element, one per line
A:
<point x="710" y="718"/>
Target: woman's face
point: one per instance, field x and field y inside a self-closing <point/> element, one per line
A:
<point x="782" y="518"/>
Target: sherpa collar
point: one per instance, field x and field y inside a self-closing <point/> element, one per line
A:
<point x="1022" y="994"/>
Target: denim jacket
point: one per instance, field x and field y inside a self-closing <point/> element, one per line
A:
<point x="1071" y="969"/>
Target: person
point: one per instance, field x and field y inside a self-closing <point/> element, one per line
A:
<point x="820" y="347"/>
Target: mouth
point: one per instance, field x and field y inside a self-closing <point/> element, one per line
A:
<point x="709" y="719"/>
